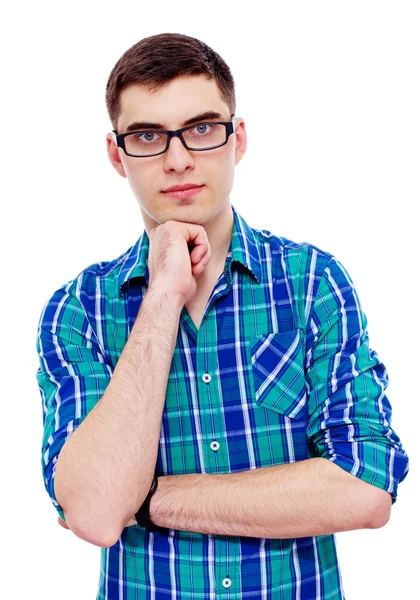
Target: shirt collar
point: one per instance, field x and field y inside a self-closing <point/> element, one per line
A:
<point x="243" y="249"/>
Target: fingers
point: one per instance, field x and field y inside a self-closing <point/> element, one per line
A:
<point x="200" y="255"/>
<point x="195" y="237"/>
<point x="202" y="263"/>
<point x="197" y="254"/>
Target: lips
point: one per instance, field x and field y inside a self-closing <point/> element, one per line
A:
<point x="185" y="194"/>
<point x="185" y="186"/>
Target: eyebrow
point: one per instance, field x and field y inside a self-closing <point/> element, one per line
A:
<point x="208" y="115"/>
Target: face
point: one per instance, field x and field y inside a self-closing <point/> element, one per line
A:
<point x="175" y="103"/>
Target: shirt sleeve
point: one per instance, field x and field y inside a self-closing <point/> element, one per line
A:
<point x="349" y="418"/>
<point x="72" y="376"/>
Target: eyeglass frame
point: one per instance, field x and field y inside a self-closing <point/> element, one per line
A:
<point x="229" y="127"/>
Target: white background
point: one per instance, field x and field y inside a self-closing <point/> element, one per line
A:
<point x="330" y="96"/>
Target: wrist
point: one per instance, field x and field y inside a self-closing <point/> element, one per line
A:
<point x="154" y="502"/>
<point x="144" y="514"/>
<point x="158" y="294"/>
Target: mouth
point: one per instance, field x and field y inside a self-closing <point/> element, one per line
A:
<point x="188" y="193"/>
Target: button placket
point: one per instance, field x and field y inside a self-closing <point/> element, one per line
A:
<point x="213" y="429"/>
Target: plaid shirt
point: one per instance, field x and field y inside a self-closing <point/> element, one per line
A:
<point x="279" y="371"/>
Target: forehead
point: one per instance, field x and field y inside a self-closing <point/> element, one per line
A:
<point x="173" y="103"/>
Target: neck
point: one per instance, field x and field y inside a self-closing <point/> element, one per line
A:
<point x="219" y="233"/>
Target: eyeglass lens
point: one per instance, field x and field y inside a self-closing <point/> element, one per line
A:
<point x="202" y="136"/>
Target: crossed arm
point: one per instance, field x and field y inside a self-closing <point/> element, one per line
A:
<point x="349" y="421"/>
<point x="306" y="498"/>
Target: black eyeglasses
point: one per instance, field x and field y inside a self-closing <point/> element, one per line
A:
<point x="152" y="142"/>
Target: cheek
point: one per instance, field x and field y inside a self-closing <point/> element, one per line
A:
<point x="131" y="176"/>
<point x="138" y="176"/>
<point x="224" y="164"/>
<point x="225" y="171"/>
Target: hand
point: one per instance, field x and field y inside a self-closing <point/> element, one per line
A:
<point x="178" y="252"/>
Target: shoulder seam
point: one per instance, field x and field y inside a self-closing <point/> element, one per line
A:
<point x="332" y="257"/>
<point x="287" y="243"/>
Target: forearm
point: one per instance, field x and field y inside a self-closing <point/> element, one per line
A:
<point x="105" y="468"/>
<point x="306" y="498"/>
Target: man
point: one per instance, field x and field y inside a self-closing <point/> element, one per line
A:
<point x="233" y="363"/>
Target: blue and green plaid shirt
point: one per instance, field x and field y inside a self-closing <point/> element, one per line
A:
<point x="279" y="371"/>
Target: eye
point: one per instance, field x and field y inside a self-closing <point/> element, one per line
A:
<point x="139" y="136"/>
<point x="203" y="125"/>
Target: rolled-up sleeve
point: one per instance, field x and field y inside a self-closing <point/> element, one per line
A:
<point x="72" y="376"/>
<point x="349" y="414"/>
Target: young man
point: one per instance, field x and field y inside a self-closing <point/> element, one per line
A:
<point x="240" y="363"/>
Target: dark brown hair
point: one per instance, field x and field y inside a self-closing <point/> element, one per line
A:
<point x="156" y="60"/>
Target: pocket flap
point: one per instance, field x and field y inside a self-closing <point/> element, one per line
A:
<point x="278" y="372"/>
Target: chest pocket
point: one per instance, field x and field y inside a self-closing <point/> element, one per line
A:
<point x="278" y="372"/>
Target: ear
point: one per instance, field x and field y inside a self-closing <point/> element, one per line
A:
<point x="114" y="156"/>
<point x="241" y="140"/>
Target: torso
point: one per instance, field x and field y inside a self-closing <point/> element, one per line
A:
<point x="197" y="306"/>
<point x="196" y="312"/>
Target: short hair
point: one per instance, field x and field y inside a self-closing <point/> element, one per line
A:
<point x="158" y="59"/>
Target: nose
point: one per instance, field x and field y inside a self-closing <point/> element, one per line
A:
<point x="177" y="155"/>
<point x="177" y="141"/>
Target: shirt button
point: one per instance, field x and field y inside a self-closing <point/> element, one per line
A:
<point x="206" y="377"/>
<point x="215" y="445"/>
<point x="226" y="582"/>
